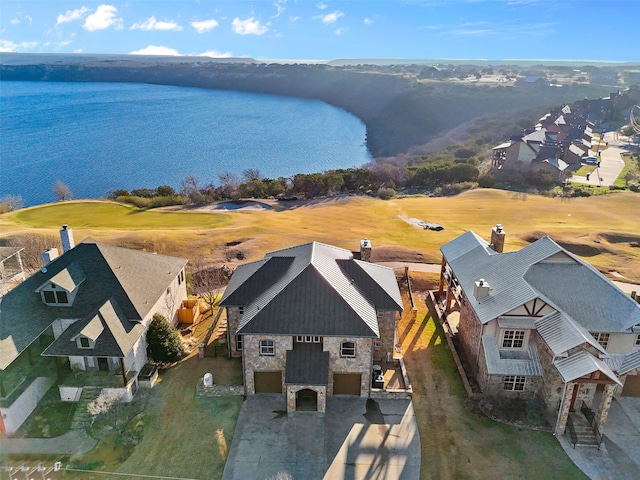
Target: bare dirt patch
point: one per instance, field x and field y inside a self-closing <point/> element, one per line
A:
<point x="588" y="247"/>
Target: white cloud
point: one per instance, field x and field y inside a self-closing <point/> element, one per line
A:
<point x="15" y="21"/>
<point x="64" y="43"/>
<point x="280" y="6"/>
<point x="204" y="25"/>
<point x="28" y="17"/>
<point x="9" y="46"/>
<point x="156" y="50"/>
<point x="104" y="17"/>
<point x="340" y="31"/>
<point x="295" y="19"/>
<point x="330" y="18"/>
<point x="321" y="6"/>
<point x="250" y="26"/>
<point x="153" y="24"/>
<point x="216" y="54"/>
<point x="368" y="21"/>
<point x="72" y="15"/>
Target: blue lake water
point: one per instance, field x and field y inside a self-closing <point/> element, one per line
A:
<point x="98" y="137"/>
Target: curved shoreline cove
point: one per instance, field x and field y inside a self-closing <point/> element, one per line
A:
<point x="98" y="137"/>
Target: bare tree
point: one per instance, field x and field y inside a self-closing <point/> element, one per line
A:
<point x="62" y="191"/>
<point x="190" y="188"/>
<point x="229" y="183"/>
<point x="251" y="174"/>
<point x="34" y="244"/>
<point x="11" y="203"/>
<point x="206" y="282"/>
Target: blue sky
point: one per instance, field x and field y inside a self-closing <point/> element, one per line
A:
<point x="324" y="30"/>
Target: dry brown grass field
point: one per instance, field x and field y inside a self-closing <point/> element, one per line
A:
<point x="604" y="230"/>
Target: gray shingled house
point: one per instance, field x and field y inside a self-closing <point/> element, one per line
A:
<point x="81" y="321"/>
<point x="310" y="321"/>
<point x="542" y="323"/>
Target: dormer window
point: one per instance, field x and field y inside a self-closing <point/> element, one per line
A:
<point x="83" y="342"/>
<point x="61" y="289"/>
<point x="55" y="297"/>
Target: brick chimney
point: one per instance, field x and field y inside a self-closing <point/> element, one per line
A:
<point x="481" y="289"/>
<point x="66" y="237"/>
<point x="365" y="250"/>
<point x="497" y="238"/>
<point x="49" y="255"/>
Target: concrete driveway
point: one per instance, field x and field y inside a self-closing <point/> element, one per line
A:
<point x="356" y="439"/>
<point x="611" y="164"/>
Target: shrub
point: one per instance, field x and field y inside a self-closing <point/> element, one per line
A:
<point x="386" y="193"/>
<point x="163" y="341"/>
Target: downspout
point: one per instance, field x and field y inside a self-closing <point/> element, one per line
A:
<point x="124" y="372"/>
<point x="564" y="391"/>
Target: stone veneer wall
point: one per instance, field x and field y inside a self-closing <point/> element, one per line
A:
<point x="387" y="326"/>
<point x="362" y="363"/>
<point x="254" y="362"/>
<point x="469" y="333"/>
<point x="552" y="387"/>
<point x="495" y="387"/>
<point x="233" y="319"/>
<point x="295" y="388"/>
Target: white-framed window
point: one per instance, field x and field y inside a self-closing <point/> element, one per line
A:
<point x="513" y="339"/>
<point x="54" y="298"/>
<point x="239" y="342"/>
<point x="181" y="277"/>
<point x="514" y="383"/>
<point x="377" y="343"/>
<point x="84" y="342"/>
<point x="308" y="339"/>
<point x="241" y="310"/>
<point x="380" y="313"/>
<point x="638" y="340"/>
<point x="602" y="338"/>
<point x="347" y="349"/>
<point x="267" y="347"/>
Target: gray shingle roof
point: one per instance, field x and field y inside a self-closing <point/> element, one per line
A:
<point x="117" y="336"/>
<point x="68" y="278"/>
<point x="312" y="289"/>
<point x="581" y="364"/>
<point x="521" y="363"/>
<point x="307" y="364"/>
<point x="134" y="280"/>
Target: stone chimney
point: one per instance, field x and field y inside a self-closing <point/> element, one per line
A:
<point x="481" y="289"/>
<point x="66" y="237"/>
<point x="497" y="238"/>
<point x="49" y="255"/>
<point x="365" y="250"/>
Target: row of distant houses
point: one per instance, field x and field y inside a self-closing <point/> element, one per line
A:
<point x="563" y="138"/>
<point x="315" y="320"/>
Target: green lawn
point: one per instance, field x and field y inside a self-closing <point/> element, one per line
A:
<point x="96" y="214"/>
<point x="630" y="165"/>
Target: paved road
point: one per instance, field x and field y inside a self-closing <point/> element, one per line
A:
<point x="611" y="163"/>
<point x="357" y="439"/>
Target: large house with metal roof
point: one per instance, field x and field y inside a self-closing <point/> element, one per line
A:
<point x="81" y="321"/>
<point x="542" y="323"/>
<point x="310" y="321"/>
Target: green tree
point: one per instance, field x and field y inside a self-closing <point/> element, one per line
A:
<point x="163" y="342"/>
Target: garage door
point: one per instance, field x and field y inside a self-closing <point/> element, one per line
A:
<point x="346" y="383"/>
<point x="268" y="382"/>
<point x="631" y="386"/>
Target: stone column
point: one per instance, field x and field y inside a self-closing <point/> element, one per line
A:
<point x="565" y="405"/>
<point x="442" y="268"/>
<point x="605" y="405"/>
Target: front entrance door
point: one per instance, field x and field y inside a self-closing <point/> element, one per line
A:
<point x="103" y="364"/>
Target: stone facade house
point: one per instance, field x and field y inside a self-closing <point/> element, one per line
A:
<point x="541" y="323"/>
<point x="310" y="321"/>
<point x="81" y="322"/>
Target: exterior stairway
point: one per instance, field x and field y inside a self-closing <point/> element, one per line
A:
<point x="580" y="431"/>
<point x="82" y="417"/>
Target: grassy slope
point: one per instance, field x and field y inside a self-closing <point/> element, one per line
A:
<point x="598" y="228"/>
<point x="457" y="441"/>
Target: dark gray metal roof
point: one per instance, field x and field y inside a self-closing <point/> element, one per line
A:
<point x="581" y="364"/>
<point x="510" y="362"/>
<point x="307" y="364"/>
<point x="134" y="280"/>
<point x="312" y="289"/>
<point x="116" y="338"/>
